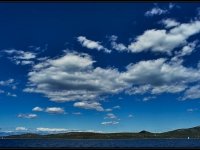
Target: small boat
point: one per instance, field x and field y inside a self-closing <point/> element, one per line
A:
<point x="188" y="138"/>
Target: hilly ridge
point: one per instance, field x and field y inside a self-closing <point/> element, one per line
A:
<point x="179" y="133"/>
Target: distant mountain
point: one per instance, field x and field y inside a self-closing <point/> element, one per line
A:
<point x="180" y="133"/>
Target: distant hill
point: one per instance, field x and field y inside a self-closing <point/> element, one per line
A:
<point x="180" y="133"/>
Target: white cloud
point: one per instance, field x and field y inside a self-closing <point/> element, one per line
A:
<point x="26" y="62"/>
<point x="159" y="72"/>
<point x="21" y="129"/>
<point x="55" y="110"/>
<point x="72" y="77"/>
<point x="27" y="116"/>
<point x="110" y="123"/>
<point x="155" y="11"/>
<point x="52" y="129"/>
<point x="116" y="107"/>
<point x="186" y="50"/>
<point x="37" y="109"/>
<point x="110" y="116"/>
<point x="168" y="89"/>
<point x="139" y="89"/>
<point x="192" y="92"/>
<point x="159" y="11"/>
<point x="117" y="46"/>
<point x="170" y="22"/>
<point x="92" y="44"/>
<point x="165" y="41"/>
<point x="108" y="109"/>
<point x="89" y="105"/>
<point x="20" y="57"/>
<point x="148" y="98"/>
<point x="8" y="83"/>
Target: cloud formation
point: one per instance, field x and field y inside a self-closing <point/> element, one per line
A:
<point x="55" y="110"/>
<point x="110" y="116"/>
<point x="20" y="57"/>
<point x="155" y="11"/>
<point x="89" y="105"/>
<point x="91" y="44"/>
<point x="164" y="41"/>
<point x="21" y="129"/>
<point x="72" y="77"/>
<point x="38" y="109"/>
<point x="41" y="129"/>
<point x="170" y="23"/>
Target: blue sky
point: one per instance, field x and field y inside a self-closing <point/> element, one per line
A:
<point x="103" y="67"/>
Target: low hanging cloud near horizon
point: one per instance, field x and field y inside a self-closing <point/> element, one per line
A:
<point x="21" y="129"/>
<point x="110" y="123"/>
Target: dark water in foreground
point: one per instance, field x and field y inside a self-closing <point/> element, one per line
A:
<point x="59" y="143"/>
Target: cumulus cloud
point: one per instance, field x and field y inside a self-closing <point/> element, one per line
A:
<point x="21" y="129"/>
<point x="37" y="109"/>
<point x="170" y="23"/>
<point x="72" y="77"/>
<point x="89" y="105"/>
<point x="27" y="116"/>
<point x="110" y="123"/>
<point x="92" y="44"/>
<point x="20" y="57"/>
<point x="186" y="50"/>
<point x="165" y="41"/>
<point x="160" y="72"/>
<point x="55" y="110"/>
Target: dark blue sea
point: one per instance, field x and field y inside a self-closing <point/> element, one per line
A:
<point x="138" y="143"/>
